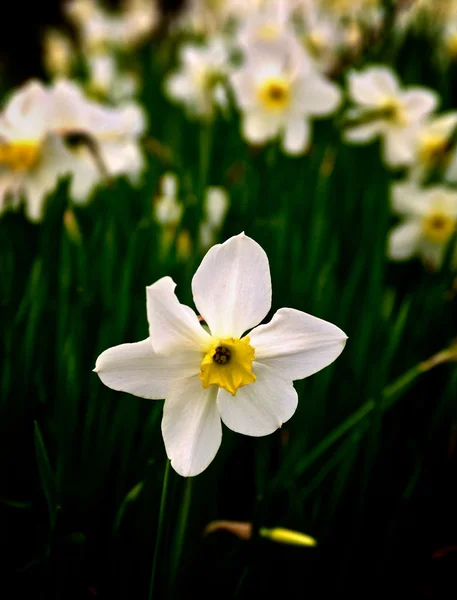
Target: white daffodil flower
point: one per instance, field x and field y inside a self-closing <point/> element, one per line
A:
<point x="107" y="80"/>
<point x="167" y="210"/>
<point x="32" y="159"/>
<point x="433" y="148"/>
<point x="112" y="136"/>
<point x="239" y="372"/>
<point x="429" y="222"/>
<point x="215" y="206"/>
<point x="58" y="53"/>
<point x="99" y="29"/>
<point x="268" y="30"/>
<point x="388" y="111"/>
<point x="198" y="82"/>
<point x="321" y="34"/>
<point x="278" y="95"/>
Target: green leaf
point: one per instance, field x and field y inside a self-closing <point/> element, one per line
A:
<point x="129" y="498"/>
<point x="47" y="478"/>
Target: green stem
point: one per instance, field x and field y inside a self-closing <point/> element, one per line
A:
<point x="180" y="532"/>
<point x="206" y="131"/>
<point x="160" y="528"/>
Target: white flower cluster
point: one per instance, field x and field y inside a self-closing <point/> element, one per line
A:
<point x="47" y="133"/>
<point x="277" y="84"/>
<point x="105" y="43"/>
<point x="169" y="209"/>
<point x="422" y="143"/>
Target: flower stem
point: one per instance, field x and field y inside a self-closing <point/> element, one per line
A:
<point x="180" y="532"/>
<point x="160" y="527"/>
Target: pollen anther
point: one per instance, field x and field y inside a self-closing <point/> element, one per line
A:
<point x="222" y="355"/>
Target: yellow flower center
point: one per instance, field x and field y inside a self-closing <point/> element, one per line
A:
<point x="228" y="364"/>
<point x="432" y="148"/>
<point x="19" y="156"/>
<point x="438" y="227"/>
<point x="394" y="112"/>
<point x="274" y="94"/>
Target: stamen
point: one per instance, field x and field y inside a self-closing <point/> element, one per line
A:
<point x="222" y="355"/>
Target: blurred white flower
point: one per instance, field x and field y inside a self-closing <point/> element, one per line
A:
<point x="137" y="21"/>
<point x="58" y="53"/>
<point x="106" y="138"/>
<point x="321" y="34"/>
<point x="268" y="30"/>
<point x="278" y="95"/>
<point x="94" y="25"/>
<point x="209" y="17"/>
<point x="31" y="158"/>
<point x="99" y="29"/>
<point x="429" y="222"/>
<point x="449" y="38"/>
<point x="48" y="133"/>
<point x="198" y="82"/>
<point x="434" y="148"/>
<point x="215" y="206"/>
<point x="386" y="110"/>
<point x="107" y="80"/>
<point x="167" y="209"/>
<point x="102" y="72"/>
<point x="245" y="380"/>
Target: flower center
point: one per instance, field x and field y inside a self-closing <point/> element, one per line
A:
<point x="274" y="94"/>
<point x="438" y="227"/>
<point x="394" y="112"/>
<point x="19" y="156"/>
<point x="228" y="364"/>
<point x="432" y="148"/>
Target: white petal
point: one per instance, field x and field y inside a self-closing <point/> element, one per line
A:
<point x="296" y="136"/>
<point x="27" y="110"/>
<point x="408" y="199"/>
<point x="169" y="184"/>
<point x="216" y="205"/>
<point x="85" y="177"/>
<point x="242" y="83"/>
<point x="318" y="96"/>
<point x="403" y="240"/>
<point x="138" y="370"/>
<point x="451" y="171"/>
<point x="178" y="86"/>
<point x="419" y="102"/>
<point x="371" y="86"/>
<point x="260" y="407"/>
<point x="191" y="426"/>
<point x="173" y="326"/>
<point x="70" y="109"/>
<point x="431" y="254"/>
<point x="232" y="286"/>
<point x="363" y="133"/>
<point x="257" y="128"/>
<point x="398" y="147"/>
<point x="295" y="344"/>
